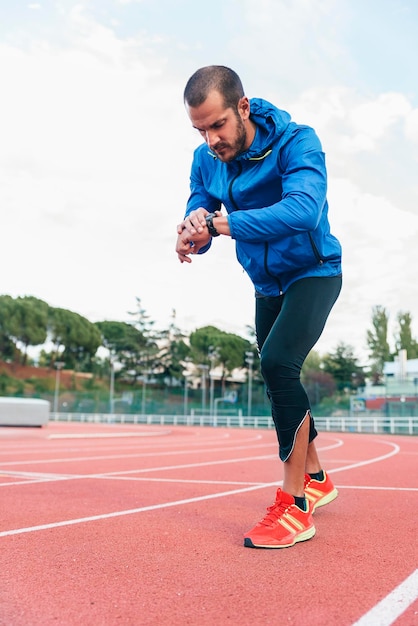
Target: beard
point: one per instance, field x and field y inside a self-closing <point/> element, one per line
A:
<point x="227" y="152"/>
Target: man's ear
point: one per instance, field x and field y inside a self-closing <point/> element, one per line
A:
<point x="244" y="108"/>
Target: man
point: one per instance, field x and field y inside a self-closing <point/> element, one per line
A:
<point x="269" y="173"/>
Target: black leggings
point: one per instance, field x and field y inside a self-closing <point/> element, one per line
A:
<point x="287" y="328"/>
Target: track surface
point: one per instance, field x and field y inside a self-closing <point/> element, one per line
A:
<point x="105" y="525"/>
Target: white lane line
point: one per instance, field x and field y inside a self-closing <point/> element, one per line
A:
<point x="31" y="478"/>
<point x="37" y="477"/>
<point x="138" y="455"/>
<point x="94" y="518"/>
<point x="163" y="468"/>
<point x="126" y="473"/>
<point x="373" y="488"/>
<point x="192" y="440"/>
<point x="55" y="477"/>
<point x="338" y="443"/>
<point x="186" y="481"/>
<point x="153" y="507"/>
<point x="395" y="450"/>
<point x="390" y="608"/>
<point x="153" y="454"/>
<point x="109" y="435"/>
<point x="43" y="475"/>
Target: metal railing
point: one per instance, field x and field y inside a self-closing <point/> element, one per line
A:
<point x="392" y="425"/>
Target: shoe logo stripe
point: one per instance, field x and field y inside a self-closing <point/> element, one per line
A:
<point x="291" y="523"/>
<point x="314" y="493"/>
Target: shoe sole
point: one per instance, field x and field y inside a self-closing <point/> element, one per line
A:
<point x="307" y="534"/>
<point x="329" y="497"/>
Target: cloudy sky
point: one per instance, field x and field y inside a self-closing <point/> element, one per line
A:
<point x="95" y="149"/>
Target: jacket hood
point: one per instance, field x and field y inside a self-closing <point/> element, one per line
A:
<point x="271" y="124"/>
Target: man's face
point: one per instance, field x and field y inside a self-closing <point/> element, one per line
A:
<point x="224" y="130"/>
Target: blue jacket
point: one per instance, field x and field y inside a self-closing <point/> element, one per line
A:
<point x="275" y="196"/>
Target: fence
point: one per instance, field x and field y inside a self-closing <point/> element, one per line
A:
<point x="392" y="425"/>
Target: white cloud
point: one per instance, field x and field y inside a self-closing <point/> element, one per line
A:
<point x="355" y="124"/>
<point x="379" y="260"/>
<point x="289" y="46"/>
<point x="89" y="169"/>
<point x="370" y="121"/>
<point x="411" y="125"/>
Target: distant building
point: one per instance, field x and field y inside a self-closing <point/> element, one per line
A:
<point x="397" y="395"/>
<point x="401" y="369"/>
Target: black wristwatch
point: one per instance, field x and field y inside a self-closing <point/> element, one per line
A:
<point x="209" y="223"/>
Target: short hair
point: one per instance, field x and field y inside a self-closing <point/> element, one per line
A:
<point x="214" y="78"/>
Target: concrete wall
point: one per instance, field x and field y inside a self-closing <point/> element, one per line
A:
<point x="23" y="412"/>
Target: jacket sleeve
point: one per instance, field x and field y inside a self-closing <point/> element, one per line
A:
<point x="199" y="197"/>
<point x="304" y="187"/>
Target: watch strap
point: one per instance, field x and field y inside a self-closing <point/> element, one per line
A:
<point x="209" y="223"/>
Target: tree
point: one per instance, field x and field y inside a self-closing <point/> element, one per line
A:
<point x="212" y="346"/>
<point x="124" y="342"/>
<point x="173" y="358"/>
<point x="403" y="337"/>
<point x="343" y="367"/>
<point x="120" y="338"/>
<point x="174" y="352"/>
<point x="30" y="323"/>
<point x="317" y="383"/>
<point x="141" y="319"/>
<point x="24" y="321"/>
<point x="313" y="362"/>
<point x="232" y="352"/>
<point x="377" y="341"/>
<point x="146" y="360"/>
<point x="78" y="337"/>
<point x="8" y="349"/>
<point x="201" y="340"/>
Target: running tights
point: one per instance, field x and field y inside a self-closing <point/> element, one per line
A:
<point x="287" y="328"/>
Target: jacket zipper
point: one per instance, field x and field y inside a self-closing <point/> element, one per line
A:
<point x="231" y="197"/>
<point x="266" y="269"/>
<point x="315" y="250"/>
<point x="276" y="278"/>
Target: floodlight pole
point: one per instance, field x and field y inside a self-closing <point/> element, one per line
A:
<point x="112" y="386"/>
<point x="186" y="393"/>
<point x="58" y="365"/>
<point x="213" y="355"/>
<point x="249" y="359"/>
<point x="204" y="369"/>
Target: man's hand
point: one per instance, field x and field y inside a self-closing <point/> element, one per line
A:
<point x="194" y="223"/>
<point x="193" y="234"/>
<point x="186" y="245"/>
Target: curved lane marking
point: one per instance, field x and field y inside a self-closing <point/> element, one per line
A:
<point x="153" y="507"/>
<point x="396" y="449"/>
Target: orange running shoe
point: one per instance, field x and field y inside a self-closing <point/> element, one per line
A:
<point x="319" y="492"/>
<point x="284" y="525"/>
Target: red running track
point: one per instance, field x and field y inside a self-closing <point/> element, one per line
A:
<point x="106" y="525"/>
